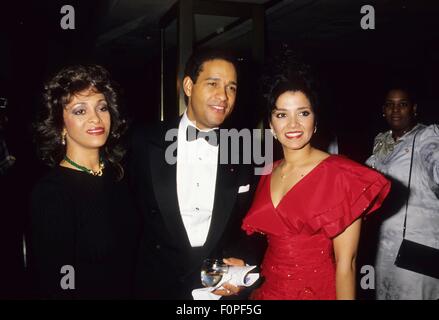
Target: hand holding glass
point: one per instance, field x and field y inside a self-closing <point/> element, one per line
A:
<point x="212" y="272"/>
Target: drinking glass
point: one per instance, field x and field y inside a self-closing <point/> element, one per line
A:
<point x="212" y="272"/>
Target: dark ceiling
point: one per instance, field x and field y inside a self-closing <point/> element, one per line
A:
<point x="129" y="29"/>
<point x="124" y="36"/>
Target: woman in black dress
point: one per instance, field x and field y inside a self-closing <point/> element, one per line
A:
<point x="84" y="227"/>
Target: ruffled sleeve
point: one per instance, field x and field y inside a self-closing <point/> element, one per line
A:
<point x="356" y="191"/>
<point x="328" y="199"/>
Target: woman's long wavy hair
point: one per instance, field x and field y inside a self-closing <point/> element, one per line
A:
<point x="58" y="92"/>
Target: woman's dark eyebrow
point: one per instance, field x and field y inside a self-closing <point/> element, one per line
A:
<point x="283" y="109"/>
<point x="76" y="104"/>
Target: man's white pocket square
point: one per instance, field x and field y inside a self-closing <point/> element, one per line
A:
<point x="243" y="189"/>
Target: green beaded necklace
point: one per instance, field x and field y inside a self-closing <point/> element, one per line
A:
<point x="84" y="169"/>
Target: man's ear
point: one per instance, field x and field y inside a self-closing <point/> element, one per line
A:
<point x="187" y="86"/>
<point x="415" y="107"/>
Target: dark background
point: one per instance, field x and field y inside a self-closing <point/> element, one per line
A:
<point x="354" y="67"/>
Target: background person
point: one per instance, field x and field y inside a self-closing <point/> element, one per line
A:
<point x="392" y="156"/>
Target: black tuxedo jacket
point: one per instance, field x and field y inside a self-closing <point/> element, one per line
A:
<point x="169" y="268"/>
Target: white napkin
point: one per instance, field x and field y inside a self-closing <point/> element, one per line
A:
<point x="237" y="276"/>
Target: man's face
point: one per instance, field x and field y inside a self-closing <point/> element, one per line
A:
<point x="212" y="97"/>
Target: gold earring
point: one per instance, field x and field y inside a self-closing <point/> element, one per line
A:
<point x="273" y="133"/>
<point x="63" y="138"/>
<point x="315" y="129"/>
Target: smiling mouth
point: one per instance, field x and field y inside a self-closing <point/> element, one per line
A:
<point x="294" y="134"/>
<point x="96" y="131"/>
<point x="220" y="109"/>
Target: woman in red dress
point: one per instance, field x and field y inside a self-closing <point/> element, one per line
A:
<point x="309" y="206"/>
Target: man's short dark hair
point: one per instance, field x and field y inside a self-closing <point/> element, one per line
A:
<point x="194" y="65"/>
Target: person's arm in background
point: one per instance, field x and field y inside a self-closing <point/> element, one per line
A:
<point x="345" y="250"/>
<point x="429" y="153"/>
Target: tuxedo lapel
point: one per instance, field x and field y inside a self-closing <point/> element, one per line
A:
<point x="164" y="178"/>
<point x="225" y="196"/>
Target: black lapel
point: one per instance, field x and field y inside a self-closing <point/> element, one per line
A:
<point x="225" y="196"/>
<point x="164" y="179"/>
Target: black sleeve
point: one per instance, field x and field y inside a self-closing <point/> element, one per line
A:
<point x="52" y="241"/>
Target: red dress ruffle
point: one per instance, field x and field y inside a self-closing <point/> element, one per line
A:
<point x="299" y="261"/>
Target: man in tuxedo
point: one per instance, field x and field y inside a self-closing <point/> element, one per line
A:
<point x="192" y="207"/>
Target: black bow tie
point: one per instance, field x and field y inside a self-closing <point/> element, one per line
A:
<point x="212" y="136"/>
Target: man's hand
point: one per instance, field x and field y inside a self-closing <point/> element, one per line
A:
<point x="229" y="289"/>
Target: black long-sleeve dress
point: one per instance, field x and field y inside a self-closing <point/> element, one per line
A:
<point x="86" y="222"/>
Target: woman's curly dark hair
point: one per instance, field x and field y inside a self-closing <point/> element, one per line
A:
<point x="58" y="92"/>
<point x="286" y="72"/>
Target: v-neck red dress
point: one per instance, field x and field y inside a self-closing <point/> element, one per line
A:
<point x="299" y="261"/>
